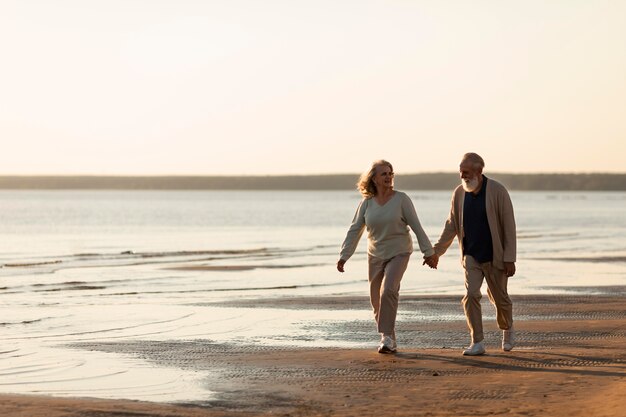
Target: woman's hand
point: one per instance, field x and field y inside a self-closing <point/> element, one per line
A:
<point x="340" y="264"/>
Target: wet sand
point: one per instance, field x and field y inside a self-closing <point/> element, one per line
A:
<point x="570" y="360"/>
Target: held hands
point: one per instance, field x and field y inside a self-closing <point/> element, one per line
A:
<point x="340" y="264"/>
<point x="431" y="261"/>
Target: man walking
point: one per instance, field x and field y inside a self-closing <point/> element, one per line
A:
<point x="482" y="219"/>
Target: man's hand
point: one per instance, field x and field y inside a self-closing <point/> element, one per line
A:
<point x="509" y="269"/>
<point x="340" y="264"/>
<point x="431" y="261"/>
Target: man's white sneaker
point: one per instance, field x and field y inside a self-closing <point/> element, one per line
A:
<point x="387" y="345"/>
<point x="508" y="339"/>
<point x="475" y="349"/>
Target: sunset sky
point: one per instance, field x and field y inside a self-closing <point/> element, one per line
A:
<point x="181" y="87"/>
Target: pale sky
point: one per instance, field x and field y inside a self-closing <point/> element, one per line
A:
<point x="231" y="87"/>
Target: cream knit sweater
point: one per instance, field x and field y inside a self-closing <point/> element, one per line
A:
<point x="387" y="228"/>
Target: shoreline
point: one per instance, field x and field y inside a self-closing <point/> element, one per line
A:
<point x="569" y="360"/>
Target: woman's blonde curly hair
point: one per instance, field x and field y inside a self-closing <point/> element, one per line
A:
<point x="366" y="185"/>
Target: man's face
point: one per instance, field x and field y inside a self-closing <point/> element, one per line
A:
<point x="469" y="176"/>
<point x="467" y="171"/>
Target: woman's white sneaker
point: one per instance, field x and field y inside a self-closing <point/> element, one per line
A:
<point x="475" y="349"/>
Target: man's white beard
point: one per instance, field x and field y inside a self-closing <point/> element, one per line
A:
<point x="470" y="185"/>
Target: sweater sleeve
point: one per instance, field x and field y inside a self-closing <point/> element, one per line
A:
<point x="354" y="232"/>
<point x="410" y="217"/>
<point x="509" y="240"/>
<point x="449" y="231"/>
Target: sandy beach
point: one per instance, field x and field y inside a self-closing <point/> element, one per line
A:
<point x="569" y="360"/>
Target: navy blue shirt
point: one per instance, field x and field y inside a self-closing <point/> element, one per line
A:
<point x="477" y="240"/>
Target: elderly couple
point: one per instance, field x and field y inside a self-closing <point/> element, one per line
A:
<point x="482" y="219"/>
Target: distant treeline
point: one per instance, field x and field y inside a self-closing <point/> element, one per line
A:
<point x="428" y="181"/>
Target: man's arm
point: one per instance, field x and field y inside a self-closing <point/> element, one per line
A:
<point x="509" y="238"/>
<point x="449" y="232"/>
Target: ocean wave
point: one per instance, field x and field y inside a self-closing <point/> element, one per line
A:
<point x="22" y="322"/>
<point x="72" y="259"/>
<point x="523" y="235"/>
<point x="73" y="288"/>
<point x="236" y="268"/>
<point x="130" y="254"/>
<point x="233" y="289"/>
<point x="593" y="259"/>
<point x="132" y="258"/>
<point x="30" y="264"/>
<point x="195" y="253"/>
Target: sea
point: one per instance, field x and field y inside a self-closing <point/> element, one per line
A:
<point x="89" y="267"/>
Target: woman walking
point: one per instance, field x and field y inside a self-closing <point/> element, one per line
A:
<point x="387" y="214"/>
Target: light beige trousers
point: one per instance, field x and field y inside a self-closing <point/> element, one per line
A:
<point x="384" y="279"/>
<point x="496" y="290"/>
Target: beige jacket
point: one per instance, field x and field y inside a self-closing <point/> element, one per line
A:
<point x="501" y="223"/>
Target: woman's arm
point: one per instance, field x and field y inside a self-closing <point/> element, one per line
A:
<point x="410" y="217"/>
<point x="354" y="232"/>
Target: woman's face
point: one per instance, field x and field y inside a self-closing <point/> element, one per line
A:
<point x="383" y="177"/>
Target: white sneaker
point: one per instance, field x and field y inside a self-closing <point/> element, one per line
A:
<point x="508" y="339"/>
<point x="475" y="349"/>
<point x="387" y="345"/>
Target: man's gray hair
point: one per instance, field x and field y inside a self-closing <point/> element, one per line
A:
<point x="475" y="159"/>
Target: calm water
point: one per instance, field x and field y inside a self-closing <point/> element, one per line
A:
<point x="45" y="235"/>
<point x="100" y="266"/>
